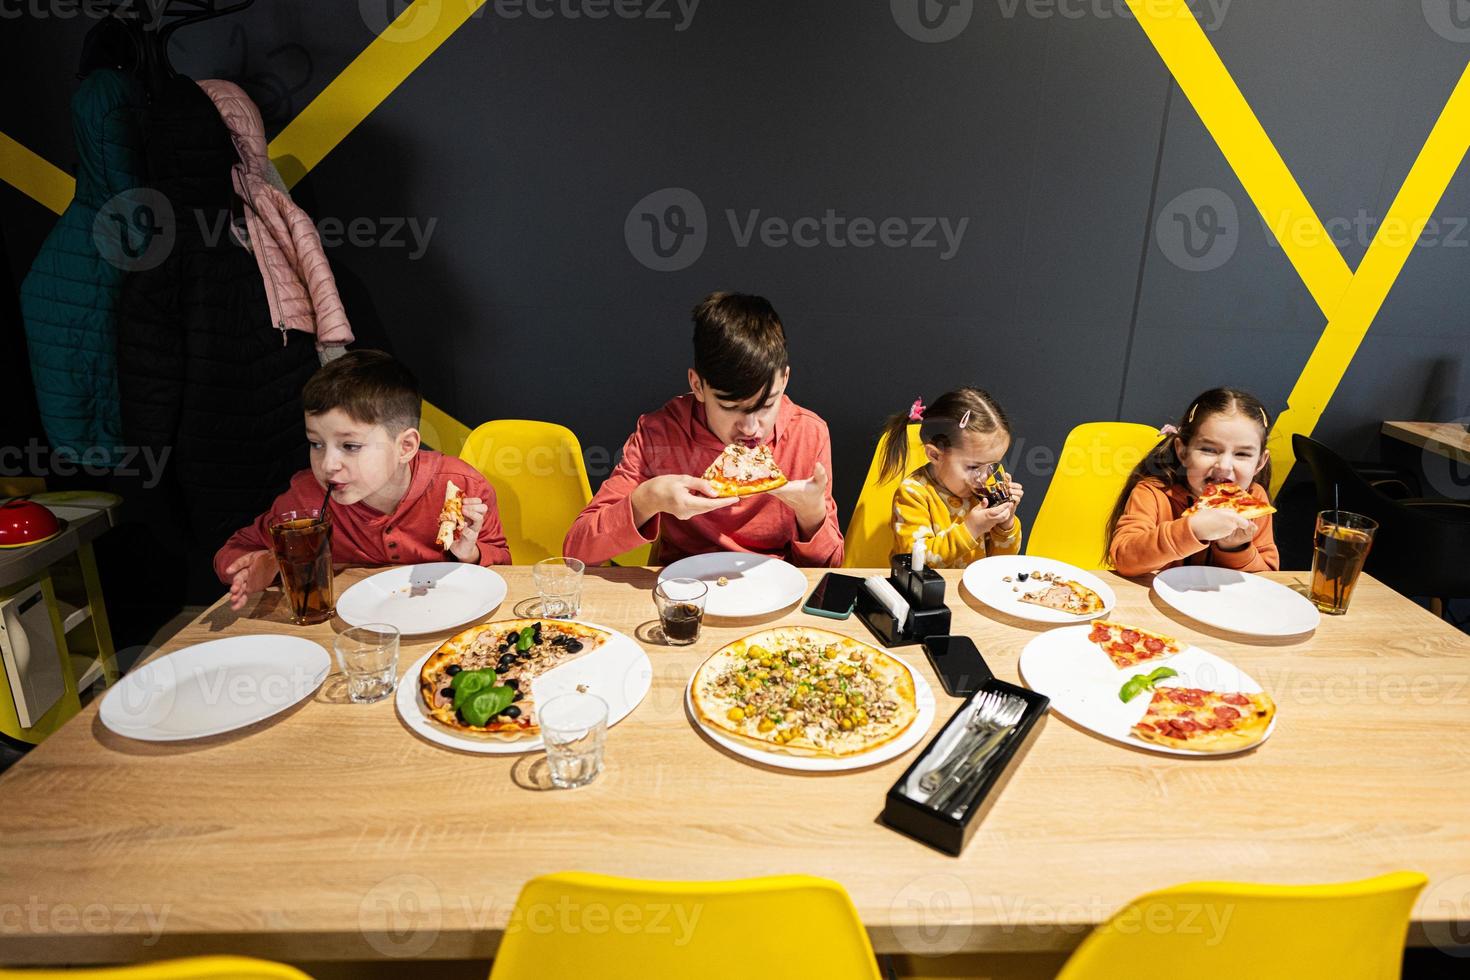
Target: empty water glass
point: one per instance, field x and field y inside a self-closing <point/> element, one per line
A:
<point x="574" y="728"/>
<point x="559" y="580"/>
<point x="368" y="655"/>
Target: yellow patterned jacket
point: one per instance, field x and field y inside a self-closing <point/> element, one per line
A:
<point x="923" y="508"/>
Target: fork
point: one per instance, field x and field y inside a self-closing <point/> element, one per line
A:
<point x="1006" y="715"/>
<point x="982" y="720"/>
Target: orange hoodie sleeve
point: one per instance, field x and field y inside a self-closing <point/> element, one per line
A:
<point x="1258" y="556"/>
<point x="1148" y="536"/>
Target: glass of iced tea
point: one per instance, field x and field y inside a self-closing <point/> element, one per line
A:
<point x="680" y="604"/>
<point x="303" y="547"/>
<point x="1342" y="543"/>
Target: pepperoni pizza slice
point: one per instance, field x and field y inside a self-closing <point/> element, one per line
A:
<point x="1228" y="496"/>
<point x="1128" y="646"/>
<point x="1205" y="721"/>
<point x="451" y="517"/>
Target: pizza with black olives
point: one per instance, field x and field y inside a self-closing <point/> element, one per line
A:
<point x="479" y="681"/>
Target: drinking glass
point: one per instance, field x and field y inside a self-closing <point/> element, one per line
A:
<point x="1342" y="543"/>
<point x="368" y="655"/>
<point x="303" y="549"/>
<point x="559" y="580"/>
<point x="680" y="603"/>
<point x="574" y="729"/>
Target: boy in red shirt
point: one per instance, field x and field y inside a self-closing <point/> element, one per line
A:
<point x="738" y="395"/>
<point x="362" y="416"/>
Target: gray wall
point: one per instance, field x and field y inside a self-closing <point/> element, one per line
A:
<point x="1061" y="140"/>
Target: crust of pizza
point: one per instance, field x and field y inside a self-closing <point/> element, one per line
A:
<point x="1228" y="496"/>
<point x="1188" y="718"/>
<point x="1126" y="652"/>
<point x="803" y="652"/>
<point x="734" y="456"/>
<point x="451" y="517"/>
<point x="463" y="650"/>
<point x="1068" y="597"/>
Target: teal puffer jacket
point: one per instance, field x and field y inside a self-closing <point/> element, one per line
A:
<point x="69" y="298"/>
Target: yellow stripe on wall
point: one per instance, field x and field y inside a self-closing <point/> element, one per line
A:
<point x="35" y="176"/>
<point x="372" y="76"/>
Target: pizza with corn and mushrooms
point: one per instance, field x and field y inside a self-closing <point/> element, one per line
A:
<point x="804" y="691"/>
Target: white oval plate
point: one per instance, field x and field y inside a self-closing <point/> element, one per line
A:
<point x="915" y="733"/>
<point x="1083" y="684"/>
<point x="619" y="672"/>
<point x="985" y="580"/>
<point x="754" y="584"/>
<point x="427" y="598"/>
<point x="1236" y="601"/>
<point x="214" y="687"/>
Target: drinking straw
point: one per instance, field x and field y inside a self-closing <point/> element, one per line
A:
<point x="321" y="514"/>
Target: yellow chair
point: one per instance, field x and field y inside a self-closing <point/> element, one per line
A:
<point x="193" y="968"/>
<point x="790" y="927"/>
<point x="540" y="483"/>
<point x="869" y="538"/>
<point x="1349" y="931"/>
<point x="1091" y="471"/>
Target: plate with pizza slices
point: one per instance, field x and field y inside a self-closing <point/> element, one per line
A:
<point x="741" y="584"/>
<point x="478" y="690"/>
<point x="742" y="470"/>
<point x="1042" y="590"/>
<point x="1236" y="601"/>
<point x="810" y="700"/>
<point x="428" y="598"/>
<point x="1148" y="690"/>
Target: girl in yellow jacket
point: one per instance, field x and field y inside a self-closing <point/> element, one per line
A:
<point x="960" y="501"/>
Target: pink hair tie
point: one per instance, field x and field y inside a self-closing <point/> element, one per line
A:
<point x="916" y="410"/>
<point x="1168" y="430"/>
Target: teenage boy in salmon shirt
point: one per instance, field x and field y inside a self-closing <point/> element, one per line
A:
<point x="362" y="416"/>
<point x="738" y="394"/>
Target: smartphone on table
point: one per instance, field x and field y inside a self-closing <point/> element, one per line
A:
<point x="834" y="596"/>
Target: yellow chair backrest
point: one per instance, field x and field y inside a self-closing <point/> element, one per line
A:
<point x="791" y="927"/>
<point x="869" y="538"/>
<point x="193" y="968"/>
<point x="540" y="483"/>
<point x="1349" y="931"/>
<point x="1093" y="467"/>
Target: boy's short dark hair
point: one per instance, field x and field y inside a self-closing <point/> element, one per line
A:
<point x="370" y="386"/>
<point x="739" y="345"/>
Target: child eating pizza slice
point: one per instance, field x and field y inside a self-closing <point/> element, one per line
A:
<point x="390" y="499"/>
<point x="709" y="470"/>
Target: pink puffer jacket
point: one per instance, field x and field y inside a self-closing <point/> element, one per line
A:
<point x="298" y="279"/>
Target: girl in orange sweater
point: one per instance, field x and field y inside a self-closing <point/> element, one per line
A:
<point x="1221" y="439"/>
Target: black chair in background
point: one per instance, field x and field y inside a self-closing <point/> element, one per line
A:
<point x="1422" y="547"/>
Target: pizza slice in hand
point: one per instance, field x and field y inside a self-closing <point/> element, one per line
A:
<point x="740" y="471"/>
<point x="1127" y="646"/>
<point x="451" y="518"/>
<point x="1228" y="496"/>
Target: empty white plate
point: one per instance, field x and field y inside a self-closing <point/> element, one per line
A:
<point x="423" y="598"/>
<point x="1236" y="601"/>
<point x="986" y="581"/>
<point x="214" y="687"/>
<point x="754" y="584"/>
